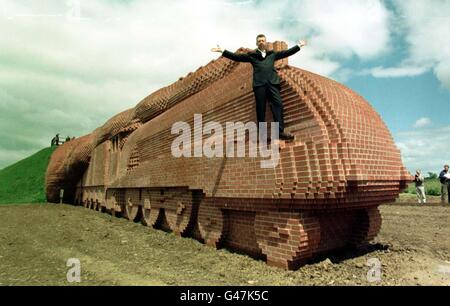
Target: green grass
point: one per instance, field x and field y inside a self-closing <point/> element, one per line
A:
<point x="432" y="187"/>
<point x="23" y="182"/>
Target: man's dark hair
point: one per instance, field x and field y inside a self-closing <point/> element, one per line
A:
<point x="260" y="35"/>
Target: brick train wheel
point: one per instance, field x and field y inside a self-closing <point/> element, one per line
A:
<point x="97" y="205"/>
<point x="131" y="209"/>
<point x="92" y="204"/>
<point x="367" y="227"/>
<point x="102" y="208"/>
<point x="180" y="211"/>
<point x="212" y="223"/>
<point x="85" y="200"/>
<point x="288" y="239"/>
<point x="151" y="215"/>
<point x="114" y="199"/>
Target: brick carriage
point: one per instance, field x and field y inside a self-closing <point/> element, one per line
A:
<point x="323" y="195"/>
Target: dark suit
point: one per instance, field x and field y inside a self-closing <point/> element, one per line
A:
<point x="266" y="82"/>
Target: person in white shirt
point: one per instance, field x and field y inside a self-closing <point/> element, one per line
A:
<point x="419" y="181"/>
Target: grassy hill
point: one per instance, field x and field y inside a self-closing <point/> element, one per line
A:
<point x="23" y="182"/>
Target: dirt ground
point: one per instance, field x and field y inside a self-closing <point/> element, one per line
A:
<point x="36" y="241"/>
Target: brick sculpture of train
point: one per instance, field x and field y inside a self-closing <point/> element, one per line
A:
<point x="323" y="195"/>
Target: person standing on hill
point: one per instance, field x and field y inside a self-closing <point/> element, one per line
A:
<point x="55" y="140"/>
<point x="444" y="178"/>
<point x="266" y="82"/>
<point x="419" y="181"/>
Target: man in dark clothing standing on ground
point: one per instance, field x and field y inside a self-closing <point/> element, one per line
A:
<point x="443" y="177"/>
<point x="266" y="82"/>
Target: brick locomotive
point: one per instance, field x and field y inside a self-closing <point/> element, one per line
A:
<point x="323" y="195"/>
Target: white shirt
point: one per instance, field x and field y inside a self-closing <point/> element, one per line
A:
<point x="263" y="53"/>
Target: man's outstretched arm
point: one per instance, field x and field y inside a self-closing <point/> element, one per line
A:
<point x="291" y="51"/>
<point x="232" y="56"/>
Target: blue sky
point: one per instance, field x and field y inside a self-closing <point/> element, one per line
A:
<point x="403" y="101"/>
<point x="68" y="66"/>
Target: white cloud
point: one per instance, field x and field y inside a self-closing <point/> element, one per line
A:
<point x="336" y="31"/>
<point x="68" y="76"/>
<point x="442" y="71"/>
<point x="343" y="26"/>
<point x="422" y="122"/>
<point x="395" y="72"/>
<point x="425" y="25"/>
<point x="425" y="149"/>
<point x="309" y="61"/>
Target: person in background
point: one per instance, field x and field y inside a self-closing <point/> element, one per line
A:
<point x="55" y="140"/>
<point x="419" y="181"/>
<point x="443" y="177"/>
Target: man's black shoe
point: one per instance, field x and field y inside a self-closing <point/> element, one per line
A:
<point x="286" y="136"/>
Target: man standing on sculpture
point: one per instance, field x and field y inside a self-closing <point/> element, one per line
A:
<point x="266" y="82"/>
